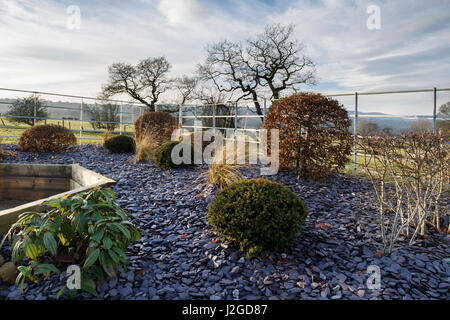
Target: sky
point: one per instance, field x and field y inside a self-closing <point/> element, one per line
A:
<point x="43" y="48"/>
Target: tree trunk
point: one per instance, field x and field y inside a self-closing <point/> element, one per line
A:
<point x="257" y="105"/>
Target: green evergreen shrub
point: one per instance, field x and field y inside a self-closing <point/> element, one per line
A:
<point x="258" y="214"/>
<point x="162" y="156"/>
<point x="120" y="144"/>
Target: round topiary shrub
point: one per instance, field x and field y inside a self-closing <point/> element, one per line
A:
<point x="163" y="155"/>
<point x="258" y="214"/>
<point x="120" y="144"/>
<point x="161" y="124"/>
<point x="46" y="138"/>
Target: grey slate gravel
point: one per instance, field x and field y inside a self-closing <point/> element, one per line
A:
<point x="176" y="258"/>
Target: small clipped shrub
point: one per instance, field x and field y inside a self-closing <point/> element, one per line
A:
<point x="258" y="214"/>
<point x="87" y="229"/>
<point x="161" y="123"/>
<point x="120" y="144"/>
<point x="163" y="159"/>
<point x="46" y="138"/>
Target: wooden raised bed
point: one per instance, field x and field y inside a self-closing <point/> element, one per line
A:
<point x="37" y="183"/>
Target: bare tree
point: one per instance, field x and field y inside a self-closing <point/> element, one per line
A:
<point x="444" y="112"/>
<point x="226" y="66"/>
<point x="186" y="88"/>
<point x="28" y="110"/>
<point x="273" y="59"/>
<point x="367" y="128"/>
<point x="210" y="95"/>
<point x="278" y="61"/>
<point x="104" y="116"/>
<point x="143" y="82"/>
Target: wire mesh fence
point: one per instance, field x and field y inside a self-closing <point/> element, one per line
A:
<point x="89" y="117"/>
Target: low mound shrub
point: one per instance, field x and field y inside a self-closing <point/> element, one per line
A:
<point x="163" y="155"/>
<point x="258" y="214"/>
<point x="89" y="230"/>
<point x="46" y="138"/>
<point x="120" y="144"/>
<point x="160" y="123"/>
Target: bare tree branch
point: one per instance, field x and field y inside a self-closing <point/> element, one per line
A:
<point x="143" y="82"/>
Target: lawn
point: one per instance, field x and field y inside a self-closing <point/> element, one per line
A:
<point x="87" y="136"/>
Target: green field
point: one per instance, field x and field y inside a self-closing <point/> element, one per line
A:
<point x="87" y="137"/>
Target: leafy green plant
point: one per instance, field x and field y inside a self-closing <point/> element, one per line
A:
<point x="87" y="229"/>
<point x="258" y="214"/>
<point x="163" y="155"/>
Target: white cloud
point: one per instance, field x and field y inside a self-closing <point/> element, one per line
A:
<point x="38" y="52"/>
<point x="182" y="12"/>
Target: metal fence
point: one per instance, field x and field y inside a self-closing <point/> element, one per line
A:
<point x="75" y="113"/>
<point x="238" y="117"/>
<point x="353" y="102"/>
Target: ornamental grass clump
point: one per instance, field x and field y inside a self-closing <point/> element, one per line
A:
<point x="258" y="214"/>
<point x="146" y="147"/>
<point x="221" y="174"/>
<point x="89" y="230"/>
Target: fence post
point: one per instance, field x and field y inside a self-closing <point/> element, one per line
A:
<point x="34" y="108"/>
<point x="121" y="118"/>
<point x="235" y="120"/>
<point x="434" y="109"/>
<point x="355" y="134"/>
<point x="81" y="121"/>
<point x="214" y="116"/>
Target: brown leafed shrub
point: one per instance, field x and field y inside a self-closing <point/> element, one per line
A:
<point x="162" y="124"/>
<point x="46" y="138"/>
<point x="314" y="134"/>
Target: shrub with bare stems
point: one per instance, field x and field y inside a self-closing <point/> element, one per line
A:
<point x="410" y="173"/>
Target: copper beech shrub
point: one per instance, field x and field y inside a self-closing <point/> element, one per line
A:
<point x="160" y="123"/>
<point x="46" y="138"/>
<point x="314" y="134"/>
